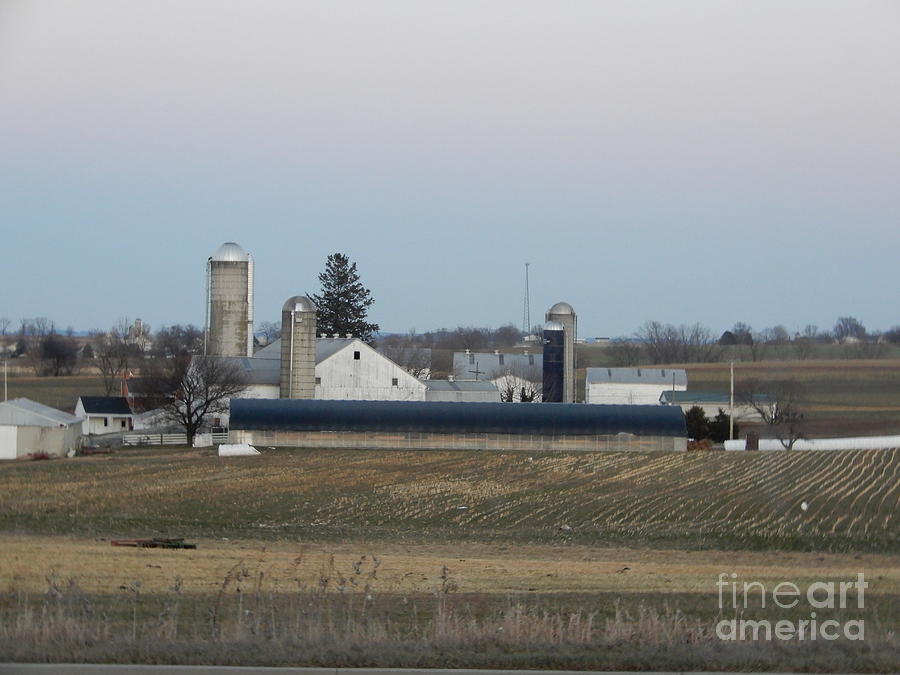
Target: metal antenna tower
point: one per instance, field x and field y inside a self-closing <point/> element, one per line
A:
<point x="526" y="310"/>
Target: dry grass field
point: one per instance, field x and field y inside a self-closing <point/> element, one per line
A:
<point x="842" y="397"/>
<point x="476" y="567"/>
<point x="57" y="392"/>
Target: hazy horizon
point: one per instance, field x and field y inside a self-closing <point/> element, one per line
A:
<point x="705" y="162"/>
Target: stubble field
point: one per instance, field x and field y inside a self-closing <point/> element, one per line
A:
<point x="309" y="557"/>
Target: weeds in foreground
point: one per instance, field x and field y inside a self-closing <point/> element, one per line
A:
<point x="342" y="620"/>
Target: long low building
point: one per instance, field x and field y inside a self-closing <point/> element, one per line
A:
<point x="432" y="425"/>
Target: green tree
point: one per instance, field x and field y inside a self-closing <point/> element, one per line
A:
<point x="344" y="302"/>
<point x="697" y="423"/>
<point x="720" y="426"/>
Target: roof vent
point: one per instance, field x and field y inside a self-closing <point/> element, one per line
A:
<point x="349" y="335"/>
<point x="335" y="335"/>
<point x="468" y="351"/>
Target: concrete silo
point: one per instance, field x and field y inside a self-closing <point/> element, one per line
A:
<point x="298" y="348"/>
<point x="554" y="362"/>
<point x="229" y="302"/>
<point x="563" y="313"/>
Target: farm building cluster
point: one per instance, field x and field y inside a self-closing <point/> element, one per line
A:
<point x="304" y="388"/>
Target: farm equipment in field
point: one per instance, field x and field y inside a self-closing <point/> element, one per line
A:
<point x="152" y="543"/>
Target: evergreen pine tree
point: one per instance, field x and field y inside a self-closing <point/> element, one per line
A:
<point x="343" y="302"/>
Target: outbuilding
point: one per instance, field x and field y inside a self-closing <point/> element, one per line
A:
<point x="29" y="428"/>
<point x="104" y="414"/>
<point x="631" y="386"/>
<point x="434" y="425"/>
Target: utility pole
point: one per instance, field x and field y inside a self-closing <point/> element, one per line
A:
<point x="526" y="310"/>
<point x="731" y="410"/>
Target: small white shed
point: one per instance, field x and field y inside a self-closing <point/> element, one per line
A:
<point x="104" y="414"/>
<point x="28" y="427"/>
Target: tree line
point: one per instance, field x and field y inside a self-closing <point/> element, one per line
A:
<point x="657" y="343"/>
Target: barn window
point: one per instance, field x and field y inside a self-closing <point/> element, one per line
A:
<point x="106" y="421"/>
<point x="531" y="359"/>
<point x="356" y="356"/>
<point x="318" y="380"/>
<point x="395" y="382"/>
<point x="471" y="359"/>
<point x="122" y="424"/>
<point x="501" y="359"/>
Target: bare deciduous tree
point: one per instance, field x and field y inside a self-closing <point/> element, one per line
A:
<point x="111" y="354"/>
<point x="848" y="327"/>
<point x="193" y="388"/>
<point x="624" y="352"/>
<point x="178" y="340"/>
<point x="667" y="343"/>
<point x="269" y="331"/>
<point x="779" y="404"/>
<point x="517" y="383"/>
<point x="408" y="352"/>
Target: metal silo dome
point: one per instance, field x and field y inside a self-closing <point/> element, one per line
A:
<point x="562" y="308"/>
<point x="299" y="303"/>
<point x="553" y="325"/>
<point x="230" y="252"/>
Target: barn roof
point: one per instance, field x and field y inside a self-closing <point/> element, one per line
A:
<point x="325" y="348"/>
<point x="25" y="412"/>
<point x="637" y="376"/>
<point x="455" y="417"/>
<point x="708" y="397"/>
<point x="105" y="405"/>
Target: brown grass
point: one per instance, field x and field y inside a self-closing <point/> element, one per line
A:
<point x="98" y="567"/>
<point x="248" y="620"/>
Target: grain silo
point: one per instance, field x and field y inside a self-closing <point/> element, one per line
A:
<point x="553" y="363"/>
<point x="298" y="348"/>
<point x="563" y="313"/>
<point x="229" y="302"/>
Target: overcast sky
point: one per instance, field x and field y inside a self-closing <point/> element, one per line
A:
<point x="680" y="161"/>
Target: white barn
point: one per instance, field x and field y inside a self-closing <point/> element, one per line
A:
<point x="632" y="386"/>
<point x="28" y="427"/>
<point x="346" y="369"/>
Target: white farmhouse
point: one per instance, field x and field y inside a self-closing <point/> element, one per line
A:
<point x="104" y="414"/>
<point x="632" y="386"/>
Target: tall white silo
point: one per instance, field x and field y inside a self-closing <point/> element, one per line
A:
<point x="229" y="302"/>
<point x="298" y="348"/>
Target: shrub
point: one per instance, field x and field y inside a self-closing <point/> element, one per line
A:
<point x="697" y="423"/>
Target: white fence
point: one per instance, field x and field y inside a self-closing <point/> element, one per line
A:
<point x="853" y="443"/>
<point x="167" y="439"/>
